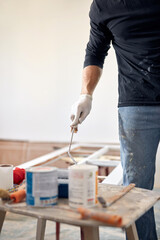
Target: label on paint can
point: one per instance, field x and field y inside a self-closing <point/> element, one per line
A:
<point x="42" y="186"/>
<point x="83" y="185"/>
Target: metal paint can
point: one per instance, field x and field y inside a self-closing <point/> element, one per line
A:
<point x="41" y="186"/>
<point x="83" y="185"/>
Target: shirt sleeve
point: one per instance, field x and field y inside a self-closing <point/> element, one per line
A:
<point x="99" y="39"/>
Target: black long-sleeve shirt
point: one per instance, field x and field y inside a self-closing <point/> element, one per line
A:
<point x="133" y="27"/>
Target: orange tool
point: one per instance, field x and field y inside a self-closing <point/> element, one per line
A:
<point x="113" y="220"/>
<point x="18" y="196"/>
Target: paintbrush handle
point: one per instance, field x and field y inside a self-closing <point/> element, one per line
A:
<point x="116" y="197"/>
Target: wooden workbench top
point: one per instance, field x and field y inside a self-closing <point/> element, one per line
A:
<point x="130" y="207"/>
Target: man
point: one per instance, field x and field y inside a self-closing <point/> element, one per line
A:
<point x="133" y="27"/>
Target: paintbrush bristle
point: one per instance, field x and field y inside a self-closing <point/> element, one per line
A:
<point x="4" y="195"/>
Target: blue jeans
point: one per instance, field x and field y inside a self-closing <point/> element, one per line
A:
<point x="139" y="133"/>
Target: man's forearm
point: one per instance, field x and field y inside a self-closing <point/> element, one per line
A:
<point x="91" y="76"/>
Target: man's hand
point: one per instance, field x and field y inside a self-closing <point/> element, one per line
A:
<point x="81" y="109"/>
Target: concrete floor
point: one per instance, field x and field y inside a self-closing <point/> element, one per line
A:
<point x="19" y="227"/>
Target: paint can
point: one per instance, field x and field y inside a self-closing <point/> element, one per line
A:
<point x="83" y="185"/>
<point x="41" y="186"/>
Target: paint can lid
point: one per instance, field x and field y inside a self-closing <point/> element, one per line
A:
<point x="84" y="167"/>
<point x="41" y="169"/>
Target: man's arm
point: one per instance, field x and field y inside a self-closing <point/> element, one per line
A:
<point x="90" y="78"/>
<point x="96" y="51"/>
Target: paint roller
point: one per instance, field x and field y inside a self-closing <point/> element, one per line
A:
<point x="15" y="197"/>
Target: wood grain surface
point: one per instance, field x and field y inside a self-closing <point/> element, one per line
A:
<point x="130" y="207"/>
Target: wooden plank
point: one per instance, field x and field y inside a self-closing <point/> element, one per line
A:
<point x="41" y="225"/>
<point x="2" y="217"/>
<point x="89" y="233"/>
<point x="131" y="232"/>
<point x="130" y="207"/>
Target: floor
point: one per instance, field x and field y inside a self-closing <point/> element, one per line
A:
<point x="24" y="228"/>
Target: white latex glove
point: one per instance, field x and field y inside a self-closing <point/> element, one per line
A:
<point x="81" y="109"/>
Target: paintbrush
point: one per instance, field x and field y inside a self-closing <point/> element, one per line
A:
<point x="116" y="197"/>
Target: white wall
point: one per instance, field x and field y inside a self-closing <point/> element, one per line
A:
<point x="42" y="47"/>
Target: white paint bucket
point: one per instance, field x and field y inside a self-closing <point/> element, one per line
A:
<point x="83" y="185"/>
<point x="41" y="186"/>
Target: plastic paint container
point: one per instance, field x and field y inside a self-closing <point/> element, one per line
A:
<point x="83" y="185"/>
<point x="41" y="186"/>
